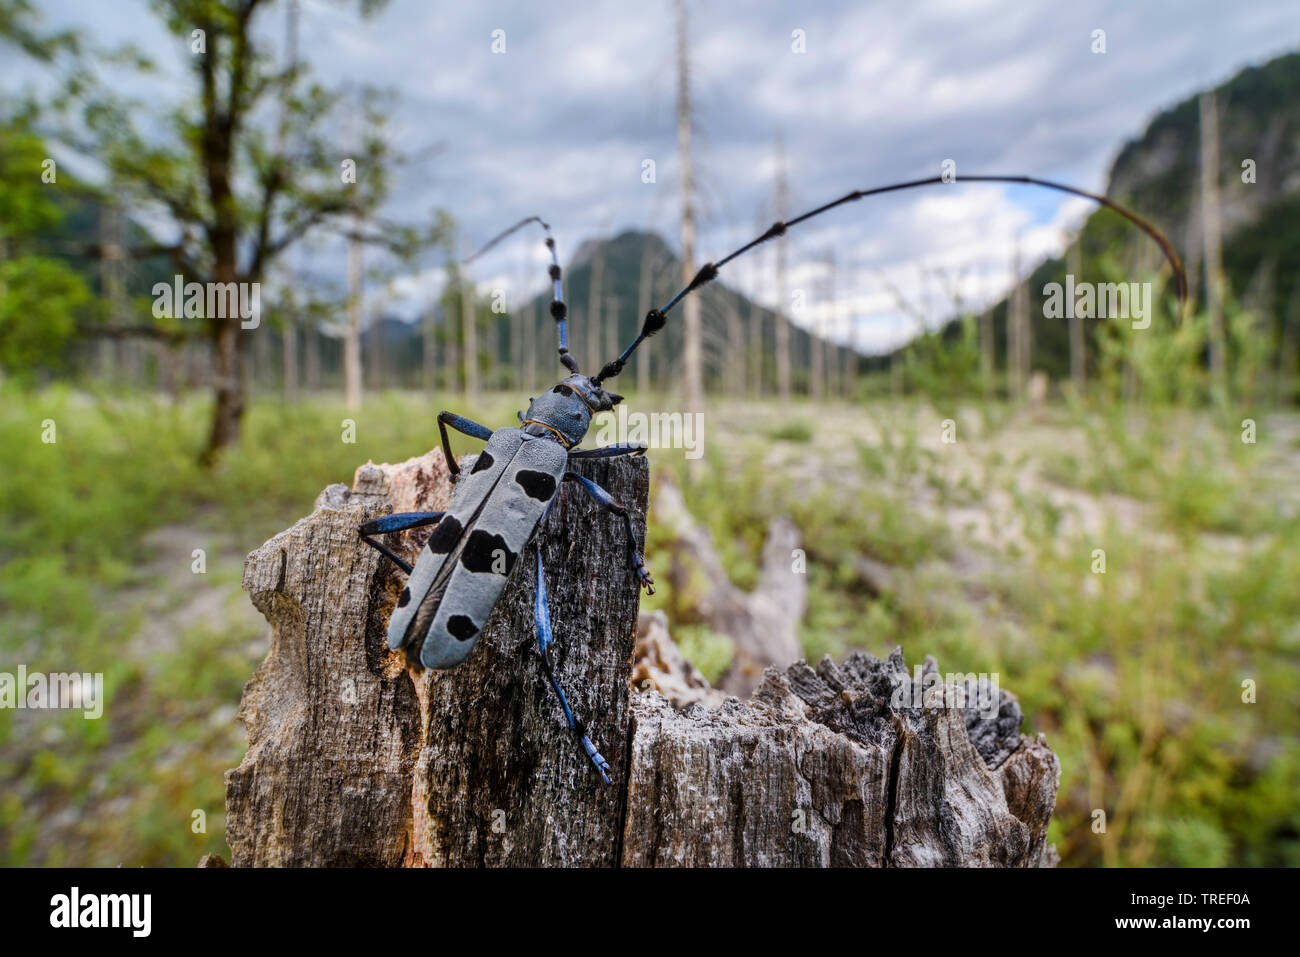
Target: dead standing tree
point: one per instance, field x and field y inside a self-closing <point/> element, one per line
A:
<point x="354" y="760"/>
<point x="762" y="624"/>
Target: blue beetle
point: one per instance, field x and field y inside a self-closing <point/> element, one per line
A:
<point x="494" y="514"/>
<point x="498" y="507"/>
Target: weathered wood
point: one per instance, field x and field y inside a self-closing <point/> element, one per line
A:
<point x="838" y="767"/>
<point x="762" y="624"/>
<point x="659" y="665"/>
<point x="355" y="760"/>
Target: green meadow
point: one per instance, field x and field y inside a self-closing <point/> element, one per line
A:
<point x="1131" y="574"/>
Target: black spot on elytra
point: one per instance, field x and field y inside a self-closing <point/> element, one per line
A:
<point x="445" y="536"/>
<point x="485" y="552"/>
<point x="461" y="628"/>
<point x="538" y="485"/>
<point x="484" y="461"/>
<point x="405" y="598"/>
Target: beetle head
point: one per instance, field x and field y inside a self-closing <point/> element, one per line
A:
<point x="568" y="408"/>
<point x="598" y="399"/>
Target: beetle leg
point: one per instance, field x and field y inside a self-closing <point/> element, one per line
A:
<point x="465" y="427"/>
<point x="610" y="451"/>
<point x="542" y="615"/>
<point x="606" y="501"/>
<point x="397" y="522"/>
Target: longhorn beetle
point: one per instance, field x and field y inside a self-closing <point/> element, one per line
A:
<point x="500" y="507"/>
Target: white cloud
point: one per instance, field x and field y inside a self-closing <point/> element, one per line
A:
<point x="559" y="124"/>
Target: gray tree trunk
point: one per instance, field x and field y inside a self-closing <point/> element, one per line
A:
<point x="469" y="332"/>
<point x="354" y="760"/>
<point x="1212" y="243"/>
<point x="692" y="330"/>
<point x="1078" y="344"/>
<point x="352" y="384"/>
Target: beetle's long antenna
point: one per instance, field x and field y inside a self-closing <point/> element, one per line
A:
<point x="655" y="319"/>
<point x="559" y="311"/>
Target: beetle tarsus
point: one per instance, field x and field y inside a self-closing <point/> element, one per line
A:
<point x="601" y="764"/>
<point x="647" y="580"/>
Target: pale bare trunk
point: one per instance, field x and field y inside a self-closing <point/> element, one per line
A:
<point x="518" y="320"/>
<point x="289" y="342"/>
<point x="428" y="362"/>
<point x="644" y="297"/>
<point x="1212" y="241"/>
<point x="735" y="351"/>
<point x="311" y="358"/>
<point x="987" y="350"/>
<point x="783" y="293"/>
<point x="352" y="338"/>
<point x="755" y="348"/>
<point x="692" y="353"/>
<point x="119" y="359"/>
<point x="289" y="334"/>
<point x="816" y="345"/>
<point x="852" y="358"/>
<point x="1077" y="345"/>
<point x="1017" y="329"/>
<point x="374" y="354"/>
<point x="469" y="332"/>
<point x="612" y="347"/>
<point x="1026" y="336"/>
<point x="589" y="329"/>
<point x="530" y="353"/>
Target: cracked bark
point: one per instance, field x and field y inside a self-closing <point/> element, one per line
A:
<point x="843" y="765"/>
<point x="354" y="760"/>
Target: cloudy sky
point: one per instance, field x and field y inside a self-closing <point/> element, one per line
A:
<point x="561" y="122"/>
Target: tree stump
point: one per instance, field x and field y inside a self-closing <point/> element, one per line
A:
<point x="838" y="767"/>
<point x="355" y="760"/>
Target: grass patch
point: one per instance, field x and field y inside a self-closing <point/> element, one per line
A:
<point x="1135" y="675"/>
<point x="793" y="431"/>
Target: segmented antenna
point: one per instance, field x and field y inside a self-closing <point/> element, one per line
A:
<point x="655" y="319"/>
<point x="559" y="311"/>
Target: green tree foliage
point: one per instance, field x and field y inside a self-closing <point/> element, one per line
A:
<point x="247" y="158"/>
<point x="945" y="369"/>
<point x="40" y="297"/>
<point x="1157" y="174"/>
<point x="39" y="302"/>
<point x="27" y="205"/>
